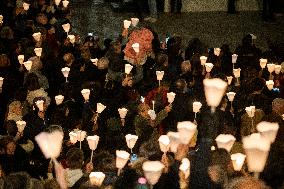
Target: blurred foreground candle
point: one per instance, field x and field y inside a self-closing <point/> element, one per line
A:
<point x="39" y="104"/>
<point x="21" y="58"/>
<point x="152" y="171"/>
<point x="268" y="130"/>
<point x="86" y="94"/>
<point x="225" y="141"/>
<point x="50" y="143"/>
<point x="131" y="141"/>
<point x="66" y="27"/>
<point x="186" y="131"/>
<point x="93" y="143"/>
<point x="72" y="38"/>
<point x="208" y="67"/>
<point x="100" y="108"/>
<point x="185" y="167"/>
<point x="262" y="63"/>
<point x="126" y="24"/>
<point x="164" y="143"/>
<point x="229" y="78"/>
<point x="57" y="2"/>
<point x="257" y="149"/>
<point x="214" y="92"/>
<point x="134" y="21"/>
<point x="122" y="158"/>
<point x="65" y="3"/>
<point x="238" y="160"/>
<point x="59" y="99"/>
<point x="38" y="51"/>
<point x="95" y="61"/>
<point x="217" y="51"/>
<point x="21" y="126"/>
<point x="171" y="97"/>
<point x="97" y="178"/>
<point x="277" y="69"/>
<point x="203" y="60"/>
<point x="174" y="141"/>
<point x="65" y="71"/>
<point x="270" y="84"/>
<point x="128" y="68"/>
<point x="28" y="65"/>
<point x="37" y="36"/>
<point x="26" y="6"/>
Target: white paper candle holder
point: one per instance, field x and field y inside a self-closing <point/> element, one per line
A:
<point x="96" y="178"/>
<point x="134" y="21"/>
<point x="73" y="137"/>
<point x="59" y="99"/>
<point x="126" y="24"/>
<point x="86" y="94"/>
<point x="21" y="58"/>
<point x="171" y="97"/>
<point x="100" y="108"/>
<point x="203" y="60"/>
<point x="186" y="131"/>
<point x="196" y="106"/>
<point x="174" y="141"/>
<point x="217" y="51"/>
<point x="231" y="96"/>
<point x="122" y="158"/>
<point x="38" y="51"/>
<point x="208" y="67"/>
<point x="65" y="71"/>
<point x="21" y="126"/>
<point x="234" y="58"/>
<point x="1" y="83"/>
<point x="268" y="130"/>
<point x="39" y="104"/>
<point x="122" y="112"/>
<point x="277" y="69"/>
<point x="128" y="68"/>
<point x="28" y="65"/>
<point x="250" y="111"/>
<point x="152" y="114"/>
<point x="95" y="61"/>
<point x="65" y="3"/>
<point x="152" y="171"/>
<point x="66" y="27"/>
<point x="229" y="79"/>
<point x="164" y="143"/>
<point x="37" y="36"/>
<point x="262" y="63"/>
<point x="214" y="92"/>
<point x="237" y="72"/>
<point x="270" y="84"/>
<point x="136" y="47"/>
<point x="57" y="2"/>
<point x="238" y="160"/>
<point x="131" y="141"/>
<point x="185" y="167"/>
<point x="257" y="149"/>
<point x="26" y="6"/>
<point x="93" y="144"/>
<point x="270" y="67"/>
<point x="72" y="38"/>
<point x="160" y="75"/>
<point x="225" y="141"/>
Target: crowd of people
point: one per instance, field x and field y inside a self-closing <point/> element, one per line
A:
<point x="100" y="67"/>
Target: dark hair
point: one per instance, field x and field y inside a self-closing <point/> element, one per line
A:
<point x="257" y="84"/>
<point x="21" y="180"/>
<point x="220" y="157"/>
<point x="31" y="82"/>
<point x="75" y="158"/>
<point x="11" y="127"/>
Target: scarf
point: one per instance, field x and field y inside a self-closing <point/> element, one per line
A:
<point x="72" y="176"/>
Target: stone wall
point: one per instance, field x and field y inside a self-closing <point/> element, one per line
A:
<point x="219" y="5"/>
